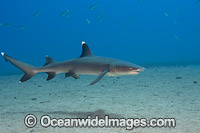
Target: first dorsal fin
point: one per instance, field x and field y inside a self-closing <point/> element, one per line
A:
<point x="49" y="60"/>
<point x="85" y="50"/>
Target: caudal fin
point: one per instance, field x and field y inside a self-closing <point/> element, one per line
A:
<point x="29" y="70"/>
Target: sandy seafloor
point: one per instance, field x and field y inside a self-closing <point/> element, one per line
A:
<point x="154" y="93"/>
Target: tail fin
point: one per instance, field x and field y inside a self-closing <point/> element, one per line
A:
<point x="26" y="68"/>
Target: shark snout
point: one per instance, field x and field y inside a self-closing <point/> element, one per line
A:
<point x="140" y="69"/>
<point x="136" y="70"/>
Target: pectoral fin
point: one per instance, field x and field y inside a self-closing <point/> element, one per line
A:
<point x="99" y="77"/>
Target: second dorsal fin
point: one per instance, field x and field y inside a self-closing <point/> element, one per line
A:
<point x="49" y="60"/>
<point x="85" y="50"/>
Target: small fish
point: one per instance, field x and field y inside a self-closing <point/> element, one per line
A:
<point x="1" y="24"/>
<point x="139" y="1"/>
<point x="99" y="14"/>
<point x="132" y="18"/>
<point x="87" y="20"/>
<point x="64" y="13"/>
<point x="175" y="22"/>
<point x="100" y="18"/>
<point x="21" y="27"/>
<point x="198" y="1"/>
<point x="7" y="24"/>
<point x="177" y="38"/>
<point x="67" y="14"/>
<point x="92" y="6"/>
<point x="166" y="14"/>
<point x="37" y="13"/>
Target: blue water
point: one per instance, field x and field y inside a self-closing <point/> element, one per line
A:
<point x="161" y="32"/>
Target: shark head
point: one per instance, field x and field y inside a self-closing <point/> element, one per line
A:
<point x="126" y="68"/>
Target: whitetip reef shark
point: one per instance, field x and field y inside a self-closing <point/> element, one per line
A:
<point x="86" y="64"/>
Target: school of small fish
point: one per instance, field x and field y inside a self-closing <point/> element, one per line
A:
<point x="99" y="17"/>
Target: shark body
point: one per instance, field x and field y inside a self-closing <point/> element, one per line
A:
<point x="86" y="64"/>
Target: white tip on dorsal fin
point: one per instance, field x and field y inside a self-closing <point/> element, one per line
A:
<point x="2" y="53"/>
<point x="49" y="60"/>
<point x="83" y="42"/>
<point x="85" y="50"/>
